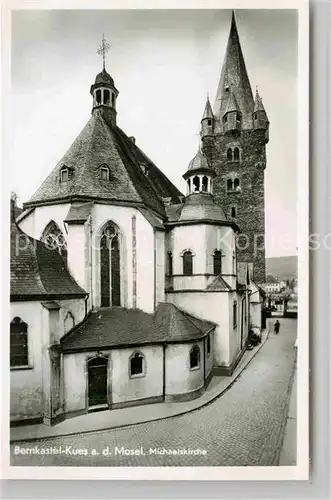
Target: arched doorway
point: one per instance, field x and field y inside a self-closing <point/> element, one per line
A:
<point x="97" y="369"/>
<point x="110" y="272"/>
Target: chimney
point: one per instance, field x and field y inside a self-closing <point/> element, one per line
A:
<point x="166" y="201"/>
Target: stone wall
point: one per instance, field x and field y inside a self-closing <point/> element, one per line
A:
<point x="249" y="200"/>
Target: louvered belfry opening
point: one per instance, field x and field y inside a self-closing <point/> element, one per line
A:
<point x="110" y="272"/>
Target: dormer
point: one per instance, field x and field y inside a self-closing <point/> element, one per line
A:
<point x="66" y="173"/>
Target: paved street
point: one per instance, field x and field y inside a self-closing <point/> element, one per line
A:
<point x="245" y="426"/>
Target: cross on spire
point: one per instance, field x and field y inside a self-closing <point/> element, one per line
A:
<point x="103" y="49"/>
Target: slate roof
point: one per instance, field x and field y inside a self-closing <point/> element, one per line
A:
<point x="100" y="143"/>
<point x="38" y="271"/>
<point x="218" y="284"/>
<point x="79" y="212"/>
<point x="234" y="75"/>
<point x="124" y="327"/>
<point x="201" y="206"/>
<point x="199" y="164"/>
<point x="208" y="112"/>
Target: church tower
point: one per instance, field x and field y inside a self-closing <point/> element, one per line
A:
<point x="235" y="143"/>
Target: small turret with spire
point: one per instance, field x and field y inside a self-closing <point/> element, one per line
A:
<point x="207" y="121"/>
<point x="103" y="90"/>
<point x="260" y="118"/>
<point x="232" y="115"/>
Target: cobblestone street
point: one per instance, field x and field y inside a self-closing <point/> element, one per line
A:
<point x="243" y="427"/>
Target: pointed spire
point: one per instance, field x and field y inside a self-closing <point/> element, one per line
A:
<point x="258" y="104"/>
<point x="234" y="74"/>
<point x="208" y="112"/>
<point x="232" y="104"/>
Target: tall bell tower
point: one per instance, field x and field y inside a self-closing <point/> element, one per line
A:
<point x="235" y="144"/>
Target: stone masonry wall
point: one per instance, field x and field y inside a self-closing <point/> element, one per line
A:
<point x="249" y="201"/>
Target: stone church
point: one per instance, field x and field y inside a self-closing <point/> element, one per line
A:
<point x="123" y="290"/>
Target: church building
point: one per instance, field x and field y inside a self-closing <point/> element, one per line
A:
<point x="124" y="291"/>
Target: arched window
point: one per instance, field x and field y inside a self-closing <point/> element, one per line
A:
<point x="196" y="183"/>
<point x="204" y="183"/>
<point x="236" y="154"/>
<point x="236" y="184"/>
<point x="208" y="345"/>
<point x="69" y="322"/>
<point x="189" y="186"/>
<point x="18" y="343"/>
<point x="54" y="239"/>
<point x="98" y="96"/>
<point x="233" y="212"/>
<point x="106" y="96"/>
<point x="229" y="154"/>
<point x="137" y="365"/>
<point x="187" y="263"/>
<point x="113" y="100"/>
<point x="194" y="357"/>
<point x="169" y="263"/>
<point x="110" y="274"/>
<point x="217" y="262"/>
<point x="229" y="185"/>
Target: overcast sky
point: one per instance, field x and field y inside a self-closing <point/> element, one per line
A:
<point x="163" y="64"/>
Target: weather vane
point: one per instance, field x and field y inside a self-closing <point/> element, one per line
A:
<point x="103" y="49"/>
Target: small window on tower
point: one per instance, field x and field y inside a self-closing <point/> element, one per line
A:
<point x="236" y="185"/>
<point x="98" y="96"/>
<point x="209" y="123"/>
<point x="233" y="212"/>
<point x="236" y="155"/>
<point x="229" y="154"/>
<point x="225" y="118"/>
<point x="229" y="185"/>
<point x="113" y="100"/>
<point x="227" y="88"/>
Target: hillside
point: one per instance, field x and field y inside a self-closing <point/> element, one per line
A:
<point x="282" y="268"/>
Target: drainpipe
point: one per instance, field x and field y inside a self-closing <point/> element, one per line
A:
<point x="164" y="370"/>
<point x="90" y="259"/>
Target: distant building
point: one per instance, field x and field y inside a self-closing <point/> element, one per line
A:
<point x="276" y="287"/>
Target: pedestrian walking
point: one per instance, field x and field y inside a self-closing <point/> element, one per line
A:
<point x="277" y="327"/>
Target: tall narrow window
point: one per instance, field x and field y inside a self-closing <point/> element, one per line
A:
<point x="98" y="96"/>
<point x="236" y="184"/>
<point x="54" y="239"/>
<point x="229" y="154"/>
<point x="196" y="184"/>
<point x="187" y="263"/>
<point x="194" y="357"/>
<point x="137" y="365"/>
<point x="229" y="185"/>
<point x="234" y="313"/>
<point x="113" y="100"/>
<point x="209" y="123"/>
<point x="18" y="343"/>
<point x="204" y="183"/>
<point x="236" y="154"/>
<point x="208" y="345"/>
<point x="106" y="96"/>
<point x="110" y="276"/>
<point x="233" y="212"/>
<point x="217" y="262"/>
<point x="169" y="263"/>
<point x="233" y="263"/>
